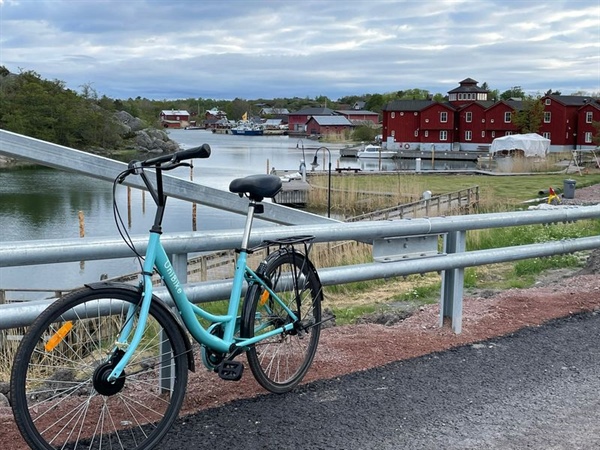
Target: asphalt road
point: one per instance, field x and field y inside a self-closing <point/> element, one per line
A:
<point x="535" y="389"/>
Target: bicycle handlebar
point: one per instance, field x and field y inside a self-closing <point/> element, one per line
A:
<point x="202" y="151"/>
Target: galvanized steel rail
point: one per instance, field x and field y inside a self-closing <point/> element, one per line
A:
<point x="452" y="261"/>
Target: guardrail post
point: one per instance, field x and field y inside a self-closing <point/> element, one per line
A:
<point x="167" y="380"/>
<point x="453" y="282"/>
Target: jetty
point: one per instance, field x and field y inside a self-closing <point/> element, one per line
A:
<point x="294" y="189"/>
<point x="446" y="155"/>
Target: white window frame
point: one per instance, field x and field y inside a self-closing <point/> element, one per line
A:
<point x="443" y="116"/>
<point x="588" y="137"/>
<point x="468" y="135"/>
<point x="468" y="116"/>
<point x="546" y="134"/>
<point x="589" y="115"/>
<point x="547" y="116"/>
<point x="507" y="117"/>
<point x="443" y="135"/>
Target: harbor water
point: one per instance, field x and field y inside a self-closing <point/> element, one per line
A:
<point x="39" y="203"/>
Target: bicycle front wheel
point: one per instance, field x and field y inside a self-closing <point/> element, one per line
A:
<point x="280" y="362"/>
<point x="59" y="392"/>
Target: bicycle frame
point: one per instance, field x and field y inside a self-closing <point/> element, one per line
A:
<point x="156" y="257"/>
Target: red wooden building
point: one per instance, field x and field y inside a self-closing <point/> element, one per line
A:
<point x="336" y="127"/>
<point x="174" y="118"/>
<point x="297" y="120"/>
<point x="469" y="121"/>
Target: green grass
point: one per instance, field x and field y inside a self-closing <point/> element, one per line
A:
<point x="495" y="191"/>
<point x="504" y="194"/>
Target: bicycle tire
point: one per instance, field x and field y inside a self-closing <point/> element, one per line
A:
<point x="280" y="362"/>
<point x="58" y="367"/>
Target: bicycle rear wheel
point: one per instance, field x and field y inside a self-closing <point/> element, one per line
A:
<point x="280" y="362"/>
<point x="59" y="393"/>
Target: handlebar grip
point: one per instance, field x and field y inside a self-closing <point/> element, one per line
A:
<point x="202" y="151"/>
<point x="197" y="152"/>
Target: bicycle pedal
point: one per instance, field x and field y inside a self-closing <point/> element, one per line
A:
<point x="230" y="370"/>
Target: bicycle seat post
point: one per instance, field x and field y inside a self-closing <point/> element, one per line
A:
<point x="256" y="188"/>
<point x="252" y="209"/>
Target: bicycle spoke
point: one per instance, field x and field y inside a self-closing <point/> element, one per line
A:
<point x="61" y="372"/>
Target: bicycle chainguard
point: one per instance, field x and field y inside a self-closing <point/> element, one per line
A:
<point x="230" y="370"/>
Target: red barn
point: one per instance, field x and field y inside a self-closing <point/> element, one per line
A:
<point x="330" y="126"/>
<point x="174" y="118"/>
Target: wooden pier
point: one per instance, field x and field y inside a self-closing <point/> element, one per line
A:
<point x="294" y="191"/>
<point x="446" y="155"/>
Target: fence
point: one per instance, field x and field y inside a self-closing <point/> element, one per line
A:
<point x="462" y="201"/>
<point x="400" y="247"/>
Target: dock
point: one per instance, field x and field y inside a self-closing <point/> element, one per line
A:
<point x="294" y="191"/>
<point x="441" y="155"/>
<point x="460" y="155"/>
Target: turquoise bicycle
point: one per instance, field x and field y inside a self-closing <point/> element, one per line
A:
<point x="106" y="366"/>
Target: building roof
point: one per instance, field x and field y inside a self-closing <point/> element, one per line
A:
<point x="356" y="112"/>
<point x="332" y="121"/>
<point x="485" y="104"/>
<point x="571" y="100"/>
<point x="175" y="112"/>
<point x="274" y="111"/>
<point x="407" y="105"/>
<point x="314" y="112"/>
<point x="468" y="85"/>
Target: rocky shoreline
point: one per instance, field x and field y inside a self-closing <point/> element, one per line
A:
<point x="137" y="137"/>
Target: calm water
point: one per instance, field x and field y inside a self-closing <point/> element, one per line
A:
<point x="41" y="203"/>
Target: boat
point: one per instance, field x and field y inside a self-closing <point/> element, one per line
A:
<point x="248" y="129"/>
<point x="375" y="151"/>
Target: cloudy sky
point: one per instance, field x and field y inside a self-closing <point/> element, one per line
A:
<point x="251" y="49"/>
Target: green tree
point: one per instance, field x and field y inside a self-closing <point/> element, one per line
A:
<point x="596" y="137"/>
<point x="513" y="92"/>
<point x="375" y="103"/>
<point x="364" y="133"/>
<point x="529" y="118"/>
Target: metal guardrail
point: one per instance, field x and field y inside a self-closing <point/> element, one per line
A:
<point x="452" y="261"/>
<point x="64" y="158"/>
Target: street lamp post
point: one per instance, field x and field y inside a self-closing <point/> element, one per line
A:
<point x="314" y="165"/>
<point x="303" y="162"/>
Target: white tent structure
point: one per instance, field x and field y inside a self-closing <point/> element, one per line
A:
<point x="531" y="144"/>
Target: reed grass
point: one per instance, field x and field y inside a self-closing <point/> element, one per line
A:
<point x="354" y="194"/>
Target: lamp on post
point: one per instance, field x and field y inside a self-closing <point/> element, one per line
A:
<point x="303" y="162"/>
<point x="314" y="165"/>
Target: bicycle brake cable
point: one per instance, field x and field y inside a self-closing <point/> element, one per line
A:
<point x="120" y="223"/>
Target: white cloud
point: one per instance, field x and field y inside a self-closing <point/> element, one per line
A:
<point x="252" y="49"/>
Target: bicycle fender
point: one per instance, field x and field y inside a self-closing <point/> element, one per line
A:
<point x="108" y="285"/>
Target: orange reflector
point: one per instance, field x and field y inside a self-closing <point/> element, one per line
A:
<point x="263" y="298"/>
<point x="60" y="334"/>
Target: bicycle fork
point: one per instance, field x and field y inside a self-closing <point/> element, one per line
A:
<point x="142" y="310"/>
